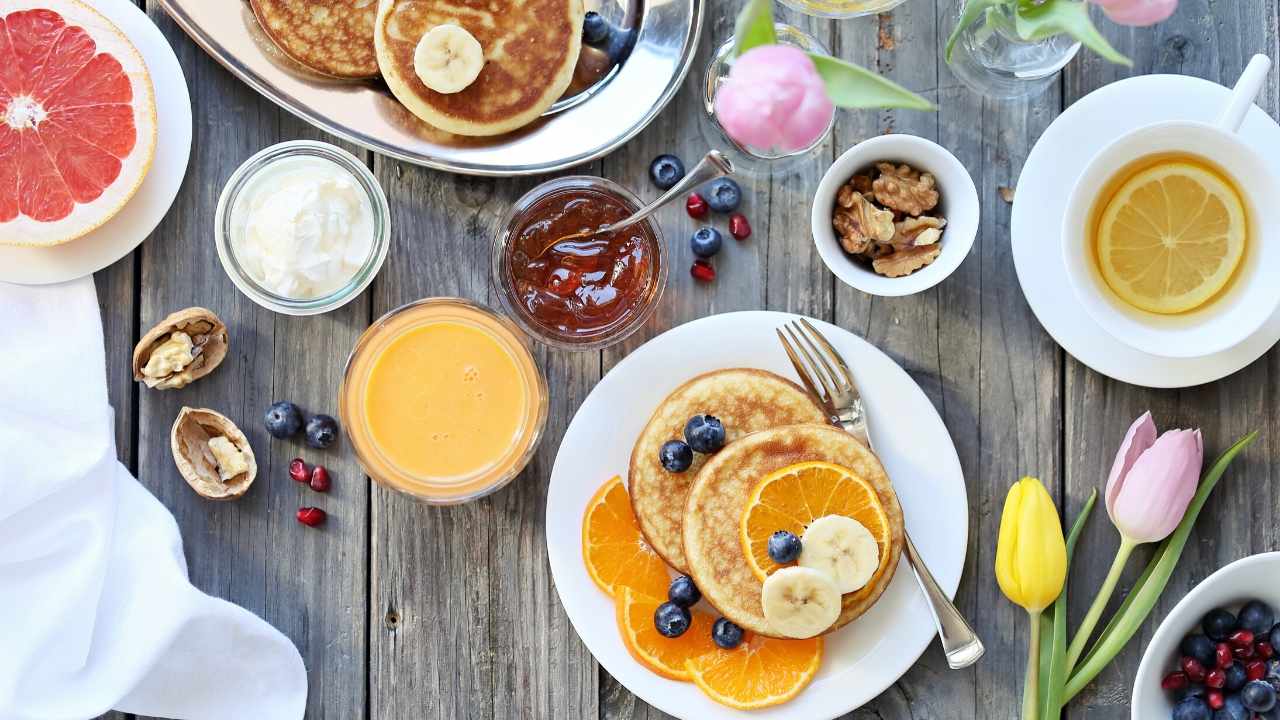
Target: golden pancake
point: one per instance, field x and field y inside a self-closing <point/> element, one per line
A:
<point x="719" y="494"/>
<point x="745" y="400"/>
<point x="530" y="50"/>
<point x="332" y="37"/>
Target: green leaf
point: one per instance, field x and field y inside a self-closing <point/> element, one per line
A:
<point x="754" y="27"/>
<point x="973" y="12"/>
<point x="851" y="86"/>
<point x="1055" y="676"/>
<point x="1055" y="17"/>
<point x="1138" y="605"/>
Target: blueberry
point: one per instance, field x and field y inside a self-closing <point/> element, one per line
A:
<point x="1191" y="708"/>
<point x="595" y="29"/>
<point x="671" y="620"/>
<point x="1201" y="648"/>
<point x="322" y="430"/>
<point x="1258" y="696"/>
<point x="723" y="195"/>
<point x="1236" y="677"/>
<point x="675" y="456"/>
<point x="706" y="241"/>
<point x="1273" y="669"/>
<point x="1233" y="709"/>
<point x="726" y="634"/>
<point x="1257" y="617"/>
<point x="784" y="547"/>
<point x="704" y="434"/>
<point x="621" y="41"/>
<point x="1195" y="691"/>
<point x="1275" y="637"/>
<point x="683" y="592"/>
<point x="1218" y="624"/>
<point x="283" y="419"/>
<point x="665" y="171"/>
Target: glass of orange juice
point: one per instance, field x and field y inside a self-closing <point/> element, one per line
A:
<point x="442" y="400"/>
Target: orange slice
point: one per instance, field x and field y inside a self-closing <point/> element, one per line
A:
<point x="613" y="549"/>
<point x="758" y="673"/>
<point x="795" y="496"/>
<point x="663" y="655"/>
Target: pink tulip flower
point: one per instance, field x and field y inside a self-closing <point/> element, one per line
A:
<point x="1137" y="13"/>
<point x="1153" y="480"/>
<point x="774" y="99"/>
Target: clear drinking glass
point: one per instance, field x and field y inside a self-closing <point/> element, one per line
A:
<point x="991" y="59"/>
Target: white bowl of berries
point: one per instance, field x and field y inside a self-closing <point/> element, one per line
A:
<point x="1215" y="656"/>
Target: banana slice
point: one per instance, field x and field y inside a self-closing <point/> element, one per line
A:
<point x="800" y="602"/>
<point x="841" y="548"/>
<point x="448" y="59"/>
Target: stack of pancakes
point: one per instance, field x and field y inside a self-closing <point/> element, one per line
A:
<point x="530" y="50"/>
<point x="692" y="518"/>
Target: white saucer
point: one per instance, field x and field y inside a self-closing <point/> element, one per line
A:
<point x="124" y="232"/>
<point x="1053" y="165"/>
<point x="860" y="660"/>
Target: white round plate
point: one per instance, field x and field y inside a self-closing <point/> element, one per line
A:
<point x="124" y="232"/>
<point x="861" y="659"/>
<point x="1056" y="161"/>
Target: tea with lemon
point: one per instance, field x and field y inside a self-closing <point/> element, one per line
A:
<point x="1168" y="232"/>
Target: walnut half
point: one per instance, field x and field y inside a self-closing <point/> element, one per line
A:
<point x="905" y="189"/>
<point x="918" y="231"/>
<point x="860" y="224"/>
<point x="212" y="455"/>
<point x="907" y="260"/>
<point x="182" y="348"/>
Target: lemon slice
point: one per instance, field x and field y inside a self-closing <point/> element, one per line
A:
<point x="1171" y="237"/>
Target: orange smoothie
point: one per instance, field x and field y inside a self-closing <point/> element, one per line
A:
<point x="442" y="400"/>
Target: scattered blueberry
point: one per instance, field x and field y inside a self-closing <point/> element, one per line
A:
<point x="1257" y="617"/>
<point x="704" y="433"/>
<point x="595" y="29"/>
<point x="784" y="547"/>
<point x="283" y="419"/>
<point x="671" y="620"/>
<point x="1236" y="677"/>
<point x="322" y="430"/>
<point x="665" y="171"/>
<point x="1192" y="708"/>
<point x="1218" y="624"/>
<point x="723" y="195"/>
<point x="1232" y="709"/>
<point x="1201" y="648"/>
<point x="726" y="634"/>
<point x="676" y="456"/>
<point x="683" y="592"/>
<point x="706" y="241"/>
<point x="1258" y="695"/>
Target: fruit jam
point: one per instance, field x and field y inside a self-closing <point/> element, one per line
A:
<point x="583" y="291"/>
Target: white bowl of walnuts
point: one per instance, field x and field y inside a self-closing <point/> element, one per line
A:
<point x="894" y="215"/>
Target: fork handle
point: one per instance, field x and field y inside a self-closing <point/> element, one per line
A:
<point x="959" y="641"/>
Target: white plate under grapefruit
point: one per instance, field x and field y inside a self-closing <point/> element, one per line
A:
<point x="77" y="121"/>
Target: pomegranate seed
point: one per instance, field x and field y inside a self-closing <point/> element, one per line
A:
<point x="739" y="228"/>
<point x="702" y="270"/>
<point x="1256" y="670"/>
<point x="1174" y="681"/>
<point x="310" y="516"/>
<point x="1193" y="669"/>
<point x="1215" y="699"/>
<point x="1223" y="655"/>
<point x="1216" y="678"/>
<point x="1264" y="650"/>
<point x="1244" y="653"/>
<point x="298" y="470"/>
<point x="320" y="479"/>
<point x="1241" y="638"/>
<point x="696" y="206"/>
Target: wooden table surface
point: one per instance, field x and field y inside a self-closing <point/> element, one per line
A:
<point x="402" y="610"/>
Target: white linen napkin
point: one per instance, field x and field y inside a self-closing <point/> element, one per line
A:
<point x="96" y="612"/>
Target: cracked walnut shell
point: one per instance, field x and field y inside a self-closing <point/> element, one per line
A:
<point x="860" y="224"/>
<point x="182" y="348"/>
<point x="212" y="455"/>
<point x="905" y="189"/>
<point x="907" y="260"/>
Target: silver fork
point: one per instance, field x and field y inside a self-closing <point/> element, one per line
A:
<point x="828" y="378"/>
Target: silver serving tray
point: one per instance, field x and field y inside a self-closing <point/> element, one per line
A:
<point x="575" y="130"/>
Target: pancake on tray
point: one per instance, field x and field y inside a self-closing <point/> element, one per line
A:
<point x="745" y="400"/>
<point x="720" y="493"/>
<point x="528" y="53"/>
<point x="332" y="37"/>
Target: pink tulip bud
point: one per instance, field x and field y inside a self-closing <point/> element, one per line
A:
<point x="774" y="99"/>
<point x="1137" y="13"/>
<point x="1153" y="480"/>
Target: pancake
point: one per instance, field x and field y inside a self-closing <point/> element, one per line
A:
<point x="745" y="400"/>
<point x="332" y="37"/>
<point x="719" y="495"/>
<point x="530" y="50"/>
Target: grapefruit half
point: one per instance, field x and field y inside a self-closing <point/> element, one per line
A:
<point x="77" y="121"/>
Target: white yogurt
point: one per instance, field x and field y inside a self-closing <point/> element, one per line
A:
<point x="302" y="227"/>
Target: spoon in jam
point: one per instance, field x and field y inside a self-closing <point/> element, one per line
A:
<point x="712" y="166"/>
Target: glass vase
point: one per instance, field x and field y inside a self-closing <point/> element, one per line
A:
<point x="840" y="9"/>
<point x="991" y="59"/>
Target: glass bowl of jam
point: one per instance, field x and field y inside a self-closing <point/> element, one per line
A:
<point x="578" y="293"/>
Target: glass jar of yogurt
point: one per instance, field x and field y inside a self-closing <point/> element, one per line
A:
<point x="302" y="227"/>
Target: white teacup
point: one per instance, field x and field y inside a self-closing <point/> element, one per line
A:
<point x="1253" y="293"/>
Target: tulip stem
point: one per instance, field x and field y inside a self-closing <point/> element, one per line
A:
<point x="1099" y="603"/>
<point x="1031" y="686"/>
